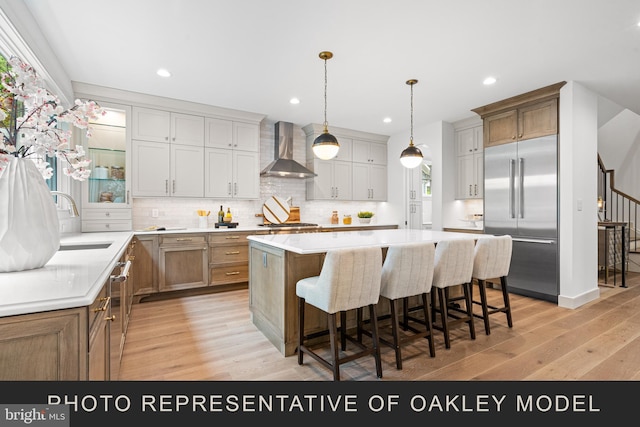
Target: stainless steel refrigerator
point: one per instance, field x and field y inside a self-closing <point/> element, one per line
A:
<point x="521" y="199"/>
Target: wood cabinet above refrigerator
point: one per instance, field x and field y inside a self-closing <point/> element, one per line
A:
<point x="526" y="116"/>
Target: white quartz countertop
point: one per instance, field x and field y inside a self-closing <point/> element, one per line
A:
<point x="311" y="243"/>
<point x="72" y="278"/>
<point x="256" y="227"/>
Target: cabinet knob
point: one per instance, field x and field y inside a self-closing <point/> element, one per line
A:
<point x="513" y="137"/>
<point x="520" y="136"/>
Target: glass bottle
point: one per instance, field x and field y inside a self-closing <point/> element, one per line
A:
<point x="220" y="215"/>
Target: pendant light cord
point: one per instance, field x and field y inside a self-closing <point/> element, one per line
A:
<point x="325" y="95"/>
<point x="411" y="136"/>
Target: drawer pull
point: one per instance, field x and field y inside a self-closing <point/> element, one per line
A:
<point x="232" y="237"/>
<point x="232" y="273"/>
<point x="184" y="239"/>
<point x="233" y="253"/>
<point x="112" y="317"/>
<point x="104" y="306"/>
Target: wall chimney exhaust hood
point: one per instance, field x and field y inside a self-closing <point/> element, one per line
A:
<point x="283" y="165"/>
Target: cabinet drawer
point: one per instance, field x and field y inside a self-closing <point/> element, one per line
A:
<point x="229" y="237"/>
<point x="100" y="307"/>
<point x="183" y="239"/>
<point x="106" y="214"/>
<point x="233" y="274"/>
<point x="111" y="225"/>
<point x="226" y="254"/>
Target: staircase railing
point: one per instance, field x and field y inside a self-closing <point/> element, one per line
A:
<point x="616" y="205"/>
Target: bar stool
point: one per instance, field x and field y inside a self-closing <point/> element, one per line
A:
<point x="408" y="271"/>
<point x="492" y="258"/>
<point x="453" y="267"/>
<point x="349" y="279"/>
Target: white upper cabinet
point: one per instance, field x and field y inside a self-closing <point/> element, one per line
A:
<point x="165" y="126"/>
<point x="187" y="129"/>
<point x="227" y="174"/>
<point x="369" y="152"/>
<point x="469" y="141"/>
<point x="470" y="162"/>
<point x="151" y="125"/>
<point x="229" y="134"/>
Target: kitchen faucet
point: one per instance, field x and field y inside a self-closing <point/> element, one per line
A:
<point x="74" y="209"/>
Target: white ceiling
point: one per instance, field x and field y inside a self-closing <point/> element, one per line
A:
<point x="254" y="55"/>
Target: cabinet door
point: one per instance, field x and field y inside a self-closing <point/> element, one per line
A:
<point x="360" y="151"/>
<point x="378" y="182"/>
<point x="501" y="128"/>
<point x="378" y="153"/>
<point x="187" y="171"/>
<point x="361" y="188"/>
<point x="218" y="133"/>
<point x="143" y="279"/>
<point x="321" y="186"/>
<point x="151" y="125"/>
<point x="218" y="173"/>
<point x="183" y="267"/>
<point x="342" y="180"/>
<point x="48" y="346"/>
<point x="465" y="176"/>
<point x="246" y="175"/>
<point x="344" y="153"/>
<point x="479" y="176"/>
<point x="539" y="119"/>
<point x="246" y="136"/>
<point x="465" y="141"/>
<point x="187" y="129"/>
<point x="151" y="168"/>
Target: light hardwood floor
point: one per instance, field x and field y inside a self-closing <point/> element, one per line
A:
<point x="211" y="337"/>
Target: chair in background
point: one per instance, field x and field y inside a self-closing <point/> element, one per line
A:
<point x="492" y="258"/>
<point x="408" y="271"/>
<point x="349" y="279"/>
<point x="453" y="267"/>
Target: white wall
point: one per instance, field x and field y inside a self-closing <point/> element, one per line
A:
<point x="578" y="238"/>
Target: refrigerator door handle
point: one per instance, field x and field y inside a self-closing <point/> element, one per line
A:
<point x="512" y="180"/>
<point x="546" y="242"/>
<point x="521" y="192"/>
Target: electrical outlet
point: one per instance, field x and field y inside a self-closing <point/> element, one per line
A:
<point x="154" y="213"/>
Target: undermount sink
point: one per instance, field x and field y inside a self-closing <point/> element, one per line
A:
<point x="83" y="246"/>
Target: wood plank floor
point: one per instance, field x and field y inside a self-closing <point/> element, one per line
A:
<point x="211" y="337"/>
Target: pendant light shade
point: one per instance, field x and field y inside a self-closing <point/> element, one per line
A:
<point x="325" y="146"/>
<point x="411" y="156"/>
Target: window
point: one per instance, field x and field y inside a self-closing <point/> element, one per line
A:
<point x="426" y="180"/>
<point x="8" y="123"/>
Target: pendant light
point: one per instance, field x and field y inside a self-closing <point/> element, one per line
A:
<point x="325" y="146"/>
<point x="411" y="156"/>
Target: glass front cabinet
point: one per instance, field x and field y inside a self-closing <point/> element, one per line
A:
<point x="106" y="204"/>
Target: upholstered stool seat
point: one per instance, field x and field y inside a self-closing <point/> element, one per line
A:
<point x="349" y="279"/>
<point x="492" y="258"/>
<point x="407" y="272"/>
<point x="453" y="267"/>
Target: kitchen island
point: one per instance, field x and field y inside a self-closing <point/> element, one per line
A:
<point x="277" y="262"/>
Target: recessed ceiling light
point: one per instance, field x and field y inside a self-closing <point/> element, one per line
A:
<point x="489" y="81"/>
<point x="387" y="120"/>
<point x="294" y="101"/>
<point x="163" y="73"/>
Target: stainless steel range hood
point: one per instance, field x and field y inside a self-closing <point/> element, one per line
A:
<point x="283" y="165"/>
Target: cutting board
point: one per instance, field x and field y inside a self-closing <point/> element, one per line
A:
<point x="276" y="210"/>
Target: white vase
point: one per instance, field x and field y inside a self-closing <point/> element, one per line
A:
<point x="29" y="227"/>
